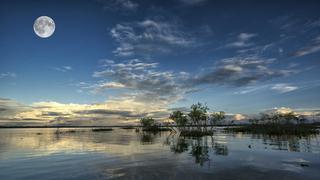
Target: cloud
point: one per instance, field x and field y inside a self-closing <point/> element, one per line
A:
<point x="149" y="36"/>
<point x="310" y="49"/>
<point x="312" y="115"/>
<point x="111" y="85"/>
<point x="8" y="108"/>
<point x="104" y="112"/>
<point x="127" y="4"/>
<point x="284" y="88"/>
<point x="8" y="74"/>
<point x="239" y="117"/>
<point x="307" y="50"/>
<point x="251" y="89"/>
<point x="241" y="71"/>
<point x="63" y="68"/>
<point x="145" y="82"/>
<point x="119" y="5"/>
<point x="192" y="2"/>
<point x="115" y="111"/>
<point x="280" y="88"/>
<point x="243" y="40"/>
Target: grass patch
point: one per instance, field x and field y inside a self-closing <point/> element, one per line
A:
<point x="196" y="133"/>
<point x="276" y="129"/>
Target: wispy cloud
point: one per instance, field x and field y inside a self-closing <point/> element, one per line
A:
<point x="192" y="2"/>
<point x="284" y="88"/>
<point x="8" y="74"/>
<point x="310" y="49"/>
<point x="148" y="36"/>
<point x="120" y="5"/>
<point x="242" y="40"/>
<point x="146" y="83"/>
<point x="63" y="68"/>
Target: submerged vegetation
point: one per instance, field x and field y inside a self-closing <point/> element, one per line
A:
<point x="102" y="129"/>
<point x="277" y="124"/>
<point x="128" y="127"/>
<point x="195" y="123"/>
<point x="199" y="122"/>
<point x="276" y="129"/>
<point x="148" y="124"/>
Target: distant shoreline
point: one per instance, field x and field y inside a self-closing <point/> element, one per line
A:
<point x="8" y="127"/>
<point x="122" y="126"/>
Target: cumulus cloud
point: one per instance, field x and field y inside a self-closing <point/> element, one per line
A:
<point x="9" y="107"/>
<point x="115" y="111"/>
<point x="311" y="115"/>
<point x="239" y="117"/>
<point x="148" y="36"/>
<point x="241" y="71"/>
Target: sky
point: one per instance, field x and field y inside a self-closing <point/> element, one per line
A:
<point x="111" y="62"/>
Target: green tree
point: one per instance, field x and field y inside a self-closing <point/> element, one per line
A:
<point x="266" y="118"/>
<point x="288" y="117"/>
<point x="147" y="122"/>
<point x="198" y="114"/>
<point x="217" y="117"/>
<point x="254" y="121"/>
<point x="179" y="118"/>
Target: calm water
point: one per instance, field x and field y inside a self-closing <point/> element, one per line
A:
<point x="125" y="154"/>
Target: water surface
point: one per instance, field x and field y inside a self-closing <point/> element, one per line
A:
<point x="125" y="154"/>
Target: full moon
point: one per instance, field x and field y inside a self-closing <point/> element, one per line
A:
<point x="44" y="26"/>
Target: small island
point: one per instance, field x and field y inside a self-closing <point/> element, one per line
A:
<point x="200" y="122"/>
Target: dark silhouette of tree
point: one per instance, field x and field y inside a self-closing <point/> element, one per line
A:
<point x="179" y="118"/>
<point x="147" y="122"/>
<point x="217" y="117"/>
<point x="198" y="115"/>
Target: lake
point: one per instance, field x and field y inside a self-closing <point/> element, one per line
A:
<point x="45" y="153"/>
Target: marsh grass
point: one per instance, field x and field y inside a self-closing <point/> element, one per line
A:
<point x="65" y="132"/>
<point x="102" y="130"/>
<point x="276" y="129"/>
<point x="128" y="127"/>
<point x="195" y="133"/>
<point x="156" y="129"/>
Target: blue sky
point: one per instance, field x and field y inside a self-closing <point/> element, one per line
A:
<point x="237" y="56"/>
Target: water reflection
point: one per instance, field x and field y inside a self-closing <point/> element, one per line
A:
<point x="198" y="148"/>
<point x="131" y="154"/>
<point x="287" y="142"/>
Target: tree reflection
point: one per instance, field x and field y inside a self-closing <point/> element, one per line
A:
<point x="147" y="137"/>
<point x="202" y="149"/>
<point x="181" y="146"/>
<point x="287" y="142"/>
